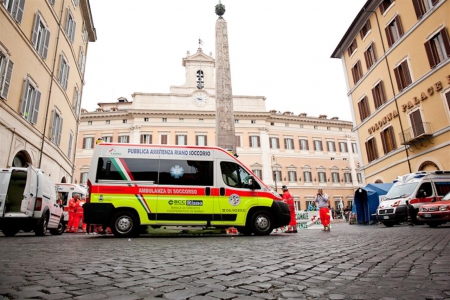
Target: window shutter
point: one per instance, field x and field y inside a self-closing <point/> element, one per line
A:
<point x="35" y="108"/>
<point x="445" y="40"/>
<point x="58" y="131"/>
<point x="354" y="74"/>
<point x="361" y="111"/>
<point x="307" y="144"/>
<point x="406" y="73"/>
<point x="382" y="92"/>
<point x="381" y="8"/>
<point x="69" y="151"/>
<point x="47" y="41"/>
<point x="360" y="75"/>
<point x="399" y="25"/>
<point x="285" y="143"/>
<point x="447" y="96"/>
<point x="278" y="143"/>
<point x="417" y="9"/>
<point x="84" y="143"/>
<point x="66" y="77"/>
<point x="430" y="56"/>
<point x="142" y="138"/>
<point x="389" y="35"/>
<point x="314" y="143"/>
<point x="259" y="141"/>
<point x="176" y="139"/>
<point x="383" y="137"/>
<point x="434" y="2"/>
<point x="18" y="10"/>
<point x="4" y="86"/>
<point x="60" y="69"/>
<point x="237" y="140"/>
<point x="366" y="57"/>
<point x="185" y="140"/>
<point x="397" y="78"/>
<point x="81" y="177"/>
<point x="392" y="137"/>
<point x="250" y="140"/>
<point x="206" y="140"/>
<point x="321" y="145"/>
<point x="72" y="34"/>
<point x="196" y="140"/>
<point x="35" y="30"/>
<point x="24" y="97"/>
<point x="67" y="21"/>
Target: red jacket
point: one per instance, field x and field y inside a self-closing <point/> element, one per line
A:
<point x="71" y="206"/>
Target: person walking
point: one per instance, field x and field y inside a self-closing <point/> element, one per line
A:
<point x="71" y="210"/>
<point x="324" y="212"/>
<point x="78" y="215"/>
<point x="289" y="200"/>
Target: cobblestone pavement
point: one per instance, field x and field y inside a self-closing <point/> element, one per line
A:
<point x="349" y="262"/>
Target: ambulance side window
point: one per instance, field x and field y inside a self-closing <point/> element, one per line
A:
<point x="426" y="186"/>
<point x="186" y="172"/>
<point x="442" y="188"/>
<point x="127" y="169"/>
<point x="235" y="176"/>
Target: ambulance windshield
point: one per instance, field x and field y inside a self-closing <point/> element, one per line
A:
<point x="401" y="191"/>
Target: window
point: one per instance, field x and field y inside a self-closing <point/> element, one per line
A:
<point x="304" y="144"/>
<point x="146" y="138"/>
<point x="340" y="128"/>
<point x="253" y="121"/>
<point x="388" y="140"/>
<point x="357" y="72"/>
<point x="307" y="176"/>
<point x="301" y="125"/>
<point x="289" y="144"/>
<point x="85" y="34"/>
<point x="292" y="176"/>
<point x="88" y="142"/>
<point x="31" y="99"/>
<point x="70" y="26"/>
<point x="234" y="175"/>
<point x="89" y="123"/>
<point x="318" y="145"/>
<point x="200" y="120"/>
<point x="416" y="123"/>
<point x="322" y="177"/>
<point x="359" y="176"/>
<point x="237" y="140"/>
<point x="258" y="173"/>
<point x="343" y="147"/>
<point x="236" y="121"/>
<point x="394" y="31"/>
<point x="6" y="67"/>
<point x="427" y="188"/>
<point x="84" y="177"/>
<point x="15" y="8"/>
<point x="276" y="176"/>
<point x="348" y="177"/>
<point x="200" y="83"/>
<point x="124" y="121"/>
<point x="108" y="121"/>
<point x="331" y="147"/>
<point x="41" y="36"/>
<point x="316" y="127"/>
<point x="55" y="133"/>
<point x="181" y="119"/>
<point x="328" y="128"/>
<point x="286" y="124"/>
<point x="164" y="120"/>
<point x="422" y="6"/>
<point x="164" y="139"/>
<point x="447" y="96"/>
<point x="124" y="139"/>
<point x="402" y="75"/>
<point x="107" y="139"/>
<point x="442" y="188"/>
<point x="181" y="139"/>
<point x="379" y="95"/>
<point x="201" y="140"/>
<point x="371" y="149"/>
<point x="364" y="110"/>
<point x="354" y="148"/>
<point x="365" y="30"/>
<point x="335" y="177"/>
<point x="69" y="151"/>
<point x="81" y="60"/>
<point x="370" y="56"/>
<point x="187" y="172"/>
<point x="272" y="123"/>
<point x="76" y="102"/>
<point x="352" y="48"/>
<point x="254" y="141"/>
<point x="385" y="5"/>
<point x="146" y="119"/>
<point x="63" y="73"/>
<point x="438" y="48"/>
<point x="274" y="143"/>
<point x="75" y="2"/>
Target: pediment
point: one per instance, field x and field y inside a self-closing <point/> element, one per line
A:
<point x="198" y="57"/>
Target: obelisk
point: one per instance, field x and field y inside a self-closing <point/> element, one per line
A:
<point x="225" y="134"/>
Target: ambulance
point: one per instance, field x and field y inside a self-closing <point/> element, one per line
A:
<point x="67" y="191"/>
<point x="409" y="193"/>
<point x="132" y="186"/>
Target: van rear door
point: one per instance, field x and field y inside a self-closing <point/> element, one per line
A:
<point x="5" y="177"/>
<point x="30" y="192"/>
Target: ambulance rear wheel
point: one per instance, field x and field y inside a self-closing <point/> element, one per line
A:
<point x="125" y="224"/>
<point x="261" y="222"/>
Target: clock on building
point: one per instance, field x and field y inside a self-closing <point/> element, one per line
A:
<point x="200" y="99"/>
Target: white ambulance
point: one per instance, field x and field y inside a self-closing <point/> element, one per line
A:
<point x="28" y="202"/>
<point x="412" y="190"/>
<point x="131" y="186"/>
<point x="67" y="191"/>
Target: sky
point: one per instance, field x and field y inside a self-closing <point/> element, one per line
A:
<point x="278" y="49"/>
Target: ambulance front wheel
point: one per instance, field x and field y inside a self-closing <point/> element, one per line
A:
<point x="125" y="224"/>
<point x="261" y="222"/>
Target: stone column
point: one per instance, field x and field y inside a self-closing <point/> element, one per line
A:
<point x="225" y="132"/>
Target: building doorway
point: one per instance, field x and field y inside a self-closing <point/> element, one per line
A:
<point x="21" y="160"/>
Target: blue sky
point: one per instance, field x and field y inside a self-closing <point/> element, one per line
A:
<point x="278" y="49"/>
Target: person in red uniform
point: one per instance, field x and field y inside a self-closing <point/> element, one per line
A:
<point x="324" y="212"/>
<point x="71" y="210"/>
<point x="78" y="214"/>
<point x="289" y="199"/>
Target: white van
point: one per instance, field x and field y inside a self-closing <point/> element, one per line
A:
<point x="28" y="202"/>
<point x="416" y="189"/>
<point x="68" y="191"/>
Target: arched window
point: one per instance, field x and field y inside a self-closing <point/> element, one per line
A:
<point x="200" y="81"/>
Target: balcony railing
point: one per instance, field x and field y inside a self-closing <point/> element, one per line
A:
<point x="416" y="133"/>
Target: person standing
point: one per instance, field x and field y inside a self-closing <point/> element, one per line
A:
<point x="324" y="212"/>
<point x="71" y="210"/>
<point x="78" y="215"/>
<point x="289" y="200"/>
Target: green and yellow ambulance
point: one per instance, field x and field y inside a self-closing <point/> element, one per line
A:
<point x="132" y="186"/>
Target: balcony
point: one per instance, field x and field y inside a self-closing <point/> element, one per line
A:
<point x="416" y="134"/>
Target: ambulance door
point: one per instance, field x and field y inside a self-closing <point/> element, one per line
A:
<point x="5" y="177"/>
<point x="235" y="195"/>
<point x="30" y="192"/>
